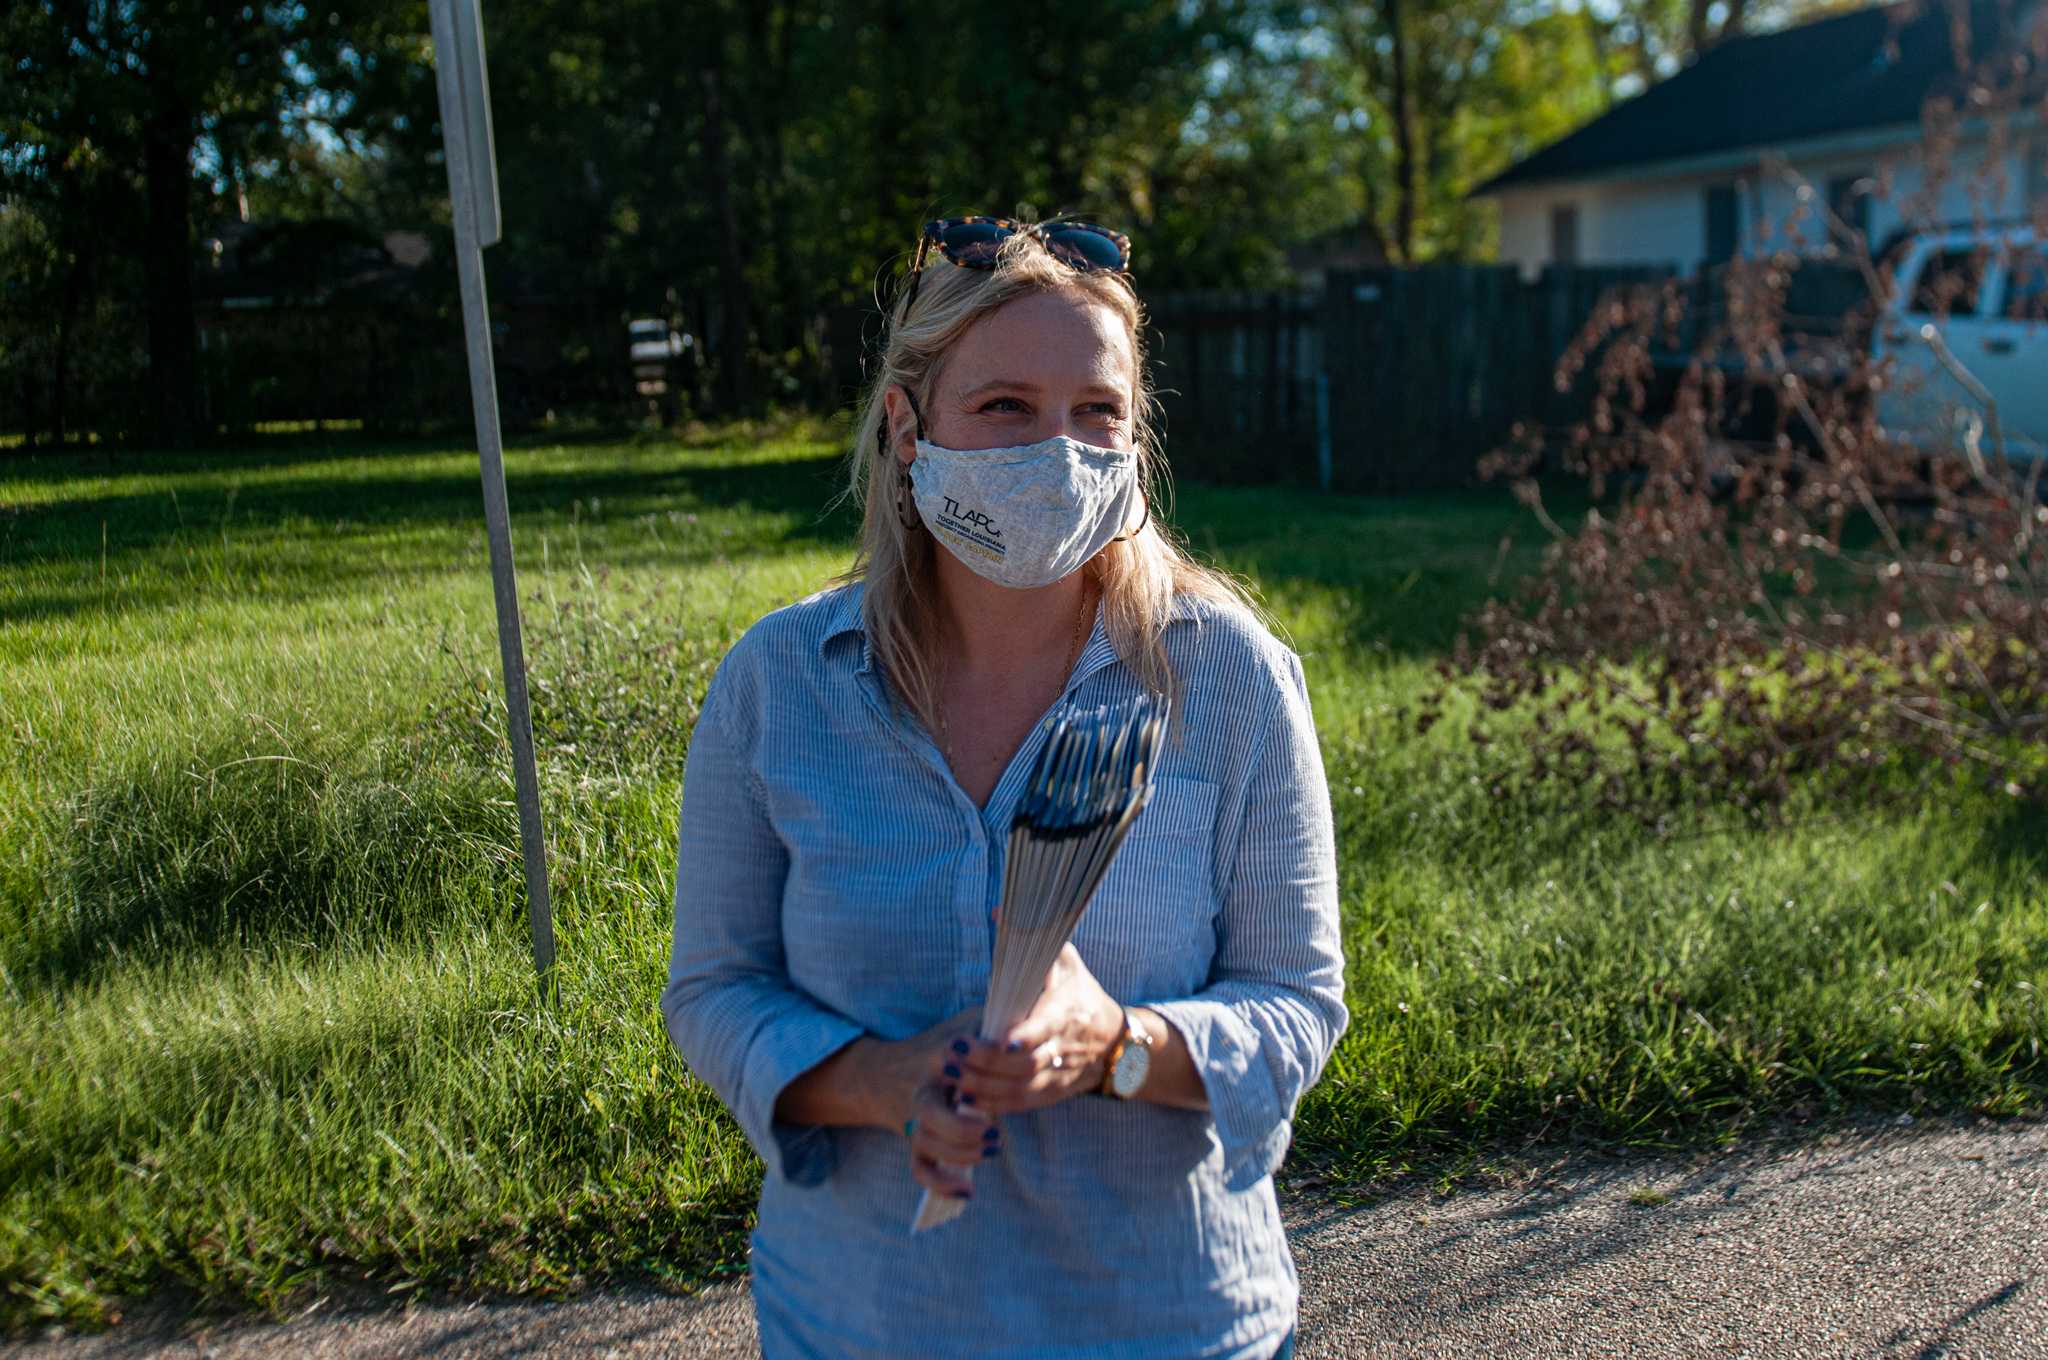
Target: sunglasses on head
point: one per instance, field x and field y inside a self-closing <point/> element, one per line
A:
<point x="972" y="243"/>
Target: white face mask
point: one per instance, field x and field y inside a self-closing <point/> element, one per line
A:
<point x="1025" y="516"/>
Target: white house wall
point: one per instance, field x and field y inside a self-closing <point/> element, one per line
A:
<point x="1525" y="229"/>
<point x="1662" y="220"/>
<point x="1619" y="223"/>
<point x="1978" y="185"/>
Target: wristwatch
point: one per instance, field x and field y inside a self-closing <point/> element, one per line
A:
<point x="1129" y="1061"/>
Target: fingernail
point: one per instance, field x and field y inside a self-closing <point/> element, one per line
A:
<point x="966" y="1097"/>
<point x="1015" y="1047"/>
<point x="952" y="1071"/>
<point x="990" y="1134"/>
<point x="962" y="1047"/>
<point x="963" y="1194"/>
<point x="991" y="1151"/>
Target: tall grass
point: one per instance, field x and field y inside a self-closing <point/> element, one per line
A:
<point x="263" y="953"/>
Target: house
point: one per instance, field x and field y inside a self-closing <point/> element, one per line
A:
<point x="1357" y="246"/>
<point x="1710" y="164"/>
<point x="253" y="265"/>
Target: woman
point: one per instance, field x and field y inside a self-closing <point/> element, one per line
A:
<point x="845" y="811"/>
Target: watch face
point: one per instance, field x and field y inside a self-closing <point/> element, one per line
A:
<point x="1132" y="1067"/>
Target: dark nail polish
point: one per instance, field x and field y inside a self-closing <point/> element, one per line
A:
<point x="1015" y="1047"/>
<point x="962" y="1047"/>
<point x="990" y="1134"/>
<point x="963" y="1194"/>
<point x="952" y="1071"/>
<point x="966" y="1097"/>
<point x="991" y="1151"/>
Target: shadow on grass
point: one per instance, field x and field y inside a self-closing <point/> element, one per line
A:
<point x="231" y="851"/>
<point x="1406" y="569"/>
<point x="144" y="530"/>
<point x="142" y="521"/>
<point x="2018" y="842"/>
<point x="268" y="452"/>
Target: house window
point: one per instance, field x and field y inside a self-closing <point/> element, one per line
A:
<point x="1722" y="223"/>
<point x="1849" y="201"/>
<point x="1564" y="234"/>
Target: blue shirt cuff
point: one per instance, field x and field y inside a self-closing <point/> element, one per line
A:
<point x="1253" y="1112"/>
<point x="803" y="1154"/>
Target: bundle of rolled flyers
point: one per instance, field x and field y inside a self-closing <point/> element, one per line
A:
<point x="1092" y="779"/>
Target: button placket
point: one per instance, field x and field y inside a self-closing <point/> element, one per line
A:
<point x="978" y="883"/>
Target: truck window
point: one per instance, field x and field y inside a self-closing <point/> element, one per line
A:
<point x="1949" y="282"/>
<point x="2026" y="285"/>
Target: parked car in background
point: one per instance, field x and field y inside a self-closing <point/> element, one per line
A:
<point x="1981" y="298"/>
<point x="663" y="360"/>
<point x="654" y="341"/>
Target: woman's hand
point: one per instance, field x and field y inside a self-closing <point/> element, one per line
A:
<point x="914" y="1087"/>
<point x="945" y="1141"/>
<point x="1054" y="1052"/>
<point x="901" y="1069"/>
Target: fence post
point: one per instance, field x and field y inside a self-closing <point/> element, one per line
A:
<point x="1324" y="471"/>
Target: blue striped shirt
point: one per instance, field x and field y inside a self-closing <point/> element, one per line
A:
<point x="834" y="880"/>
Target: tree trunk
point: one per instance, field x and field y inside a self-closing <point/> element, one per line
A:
<point x="1405" y="169"/>
<point x="1731" y="26"/>
<point x="1700" y="37"/>
<point x="167" y="260"/>
<point x="1597" y="37"/>
<point x="735" y="375"/>
<point x="891" y="116"/>
<point x="67" y="319"/>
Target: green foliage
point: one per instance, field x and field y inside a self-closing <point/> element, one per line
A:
<point x="756" y="172"/>
<point x="270" y="1009"/>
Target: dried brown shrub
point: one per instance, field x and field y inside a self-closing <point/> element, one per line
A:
<point x="1738" y="617"/>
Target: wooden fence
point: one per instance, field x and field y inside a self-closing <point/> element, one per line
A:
<point x="1398" y="380"/>
<point x="1237" y="376"/>
<point x="1432" y="368"/>
<point x="1390" y="380"/>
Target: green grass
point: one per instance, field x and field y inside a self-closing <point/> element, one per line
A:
<point x="269" y="1018"/>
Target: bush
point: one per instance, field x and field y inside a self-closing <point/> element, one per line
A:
<point x="1732" y="617"/>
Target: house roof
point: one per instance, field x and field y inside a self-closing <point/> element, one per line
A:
<point x="1868" y="68"/>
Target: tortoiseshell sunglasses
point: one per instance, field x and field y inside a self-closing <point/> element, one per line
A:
<point x="972" y="242"/>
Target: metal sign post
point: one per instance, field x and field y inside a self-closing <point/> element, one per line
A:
<point x="473" y="190"/>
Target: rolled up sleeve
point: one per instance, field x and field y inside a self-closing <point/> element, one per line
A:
<point x="1263" y="1027"/>
<point x="729" y="1006"/>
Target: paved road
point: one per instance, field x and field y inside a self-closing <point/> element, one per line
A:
<point x="1921" y="1242"/>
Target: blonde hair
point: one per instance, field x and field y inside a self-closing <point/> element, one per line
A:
<point x="1139" y="577"/>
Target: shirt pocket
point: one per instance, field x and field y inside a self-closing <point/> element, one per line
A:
<point x="1150" y="933"/>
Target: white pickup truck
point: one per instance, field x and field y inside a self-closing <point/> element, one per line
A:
<point x="1981" y="295"/>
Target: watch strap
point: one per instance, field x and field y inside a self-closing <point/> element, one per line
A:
<point x="1109" y="1061"/>
<point x="1131" y="1035"/>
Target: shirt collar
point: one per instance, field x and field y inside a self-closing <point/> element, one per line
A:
<point x="847" y="620"/>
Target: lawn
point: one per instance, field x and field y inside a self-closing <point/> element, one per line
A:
<point x="270" y="1017"/>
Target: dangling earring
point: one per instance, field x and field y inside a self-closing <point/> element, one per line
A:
<point x="906" y="508"/>
<point x="1147" y="501"/>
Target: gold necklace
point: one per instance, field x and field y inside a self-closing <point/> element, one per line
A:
<point x="1073" y="656"/>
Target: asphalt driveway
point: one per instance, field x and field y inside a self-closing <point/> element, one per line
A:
<point x="1881" y="1238"/>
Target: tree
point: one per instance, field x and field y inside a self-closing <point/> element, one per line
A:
<point x="1434" y="95"/>
<point x="111" y="98"/>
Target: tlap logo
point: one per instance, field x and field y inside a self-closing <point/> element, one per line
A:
<point x="974" y="517"/>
